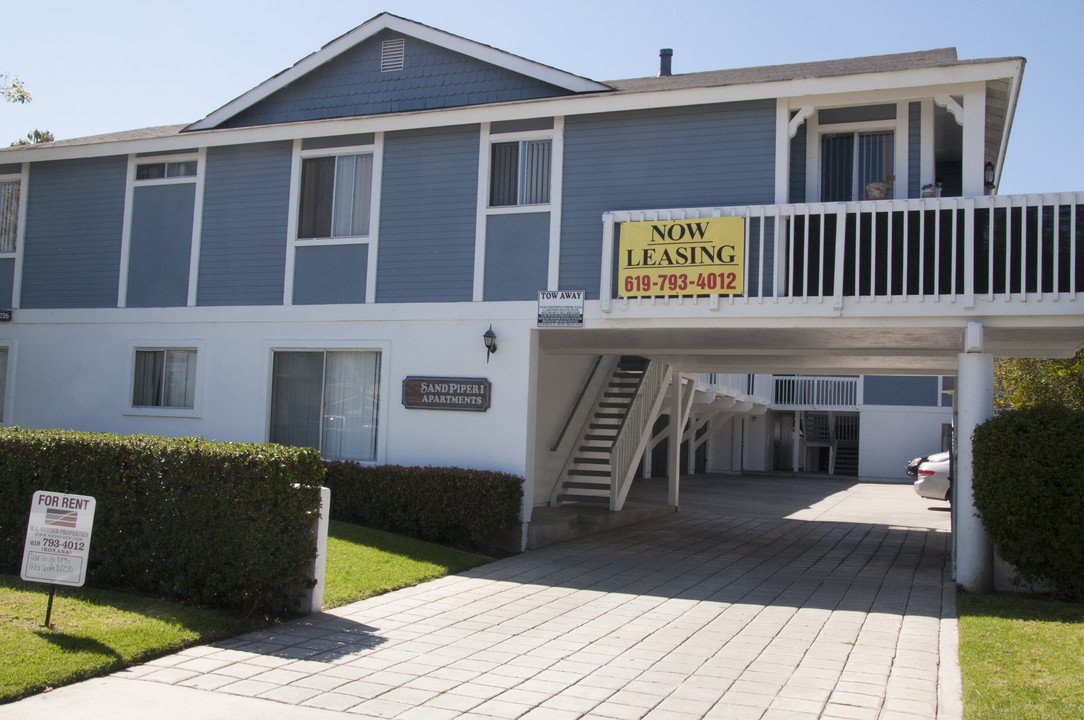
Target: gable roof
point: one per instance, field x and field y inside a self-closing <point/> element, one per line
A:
<point x="1002" y="76"/>
<point x="387" y="21"/>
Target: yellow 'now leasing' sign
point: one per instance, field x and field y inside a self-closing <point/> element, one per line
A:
<point x="703" y="256"/>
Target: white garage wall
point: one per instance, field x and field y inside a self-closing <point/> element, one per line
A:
<point x="891" y="436"/>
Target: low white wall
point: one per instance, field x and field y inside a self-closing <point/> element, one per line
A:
<point x="890" y="436"/>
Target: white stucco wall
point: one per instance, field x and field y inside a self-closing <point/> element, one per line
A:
<point x="560" y="378"/>
<point x="890" y="436"/>
<point x="75" y="372"/>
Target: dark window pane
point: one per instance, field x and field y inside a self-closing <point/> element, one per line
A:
<point x="504" y="167"/>
<point x="150" y="171"/>
<point x="297" y="398"/>
<point x="317" y="187"/>
<point x="837" y="168"/>
<point x="150" y="365"/>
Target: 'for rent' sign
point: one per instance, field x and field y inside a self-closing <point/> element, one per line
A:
<point x="58" y="538"/>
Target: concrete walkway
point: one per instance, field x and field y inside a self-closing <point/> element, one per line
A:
<point x="838" y="607"/>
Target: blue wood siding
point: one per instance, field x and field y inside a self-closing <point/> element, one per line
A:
<point x="330" y="275"/>
<point x="862" y="113"/>
<point x="337" y="141"/>
<point x="427" y="216"/>
<point x="245" y="206"/>
<point x="11" y="169"/>
<point x="517" y="256"/>
<point x="161" y="245"/>
<point x="528" y="125"/>
<point x="75" y="215"/>
<point x="7" y="278"/>
<point x="900" y="390"/>
<point x="352" y="84"/>
<point x="674" y="157"/>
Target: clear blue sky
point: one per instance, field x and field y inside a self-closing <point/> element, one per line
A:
<point x="106" y="66"/>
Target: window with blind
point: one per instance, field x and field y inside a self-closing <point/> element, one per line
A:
<point x="328" y="400"/>
<point x="851" y="161"/>
<point x="9" y="214"/>
<point x="336" y="194"/>
<point x="519" y="173"/>
<point x="165" y="378"/>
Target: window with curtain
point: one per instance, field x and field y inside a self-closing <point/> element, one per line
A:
<point x="519" y="173"/>
<point x="335" y="196"/>
<point x="851" y="160"/>
<point x="164" y="378"/>
<point x="9" y="214"/>
<point x="328" y="400"/>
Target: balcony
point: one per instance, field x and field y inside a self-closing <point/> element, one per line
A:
<point x="798" y="392"/>
<point x="1003" y="255"/>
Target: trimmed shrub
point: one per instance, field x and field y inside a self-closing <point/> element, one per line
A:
<point x="1029" y="491"/>
<point x="451" y="506"/>
<point x="225" y="525"/>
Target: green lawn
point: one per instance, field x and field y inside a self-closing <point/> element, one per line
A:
<point x="363" y="562"/>
<point x="1022" y="658"/>
<point x="95" y="631"/>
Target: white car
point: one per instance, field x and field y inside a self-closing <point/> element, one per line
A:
<point x="933" y="475"/>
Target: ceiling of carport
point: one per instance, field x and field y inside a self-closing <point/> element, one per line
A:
<point x="821" y="350"/>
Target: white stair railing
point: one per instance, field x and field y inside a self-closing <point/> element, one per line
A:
<point x="636" y="431"/>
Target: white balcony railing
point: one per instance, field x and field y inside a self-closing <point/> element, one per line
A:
<point x="798" y="392"/>
<point x="1004" y="247"/>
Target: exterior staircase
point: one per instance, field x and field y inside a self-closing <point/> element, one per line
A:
<point x="846" y="456"/>
<point x="587" y="476"/>
<point x="839" y="433"/>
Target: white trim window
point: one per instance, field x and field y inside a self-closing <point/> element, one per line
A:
<point x="851" y="161"/>
<point x="9" y="213"/>
<point x="164" y="378"/>
<point x="172" y="169"/>
<point x="335" y="196"/>
<point x="328" y="400"/>
<point x="519" y="172"/>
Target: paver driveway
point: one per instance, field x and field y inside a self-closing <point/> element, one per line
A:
<point x="698" y="614"/>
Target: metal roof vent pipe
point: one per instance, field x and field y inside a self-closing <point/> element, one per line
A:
<point x="665" y="55"/>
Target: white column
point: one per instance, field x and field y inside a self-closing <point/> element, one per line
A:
<point x="673" y="456"/>
<point x="782" y="151"/>
<point x="797" y="438"/>
<point x="975" y="404"/>
<point x="974" y="144"/>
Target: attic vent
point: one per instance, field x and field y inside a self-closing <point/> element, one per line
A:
<point x="391" y="55"/>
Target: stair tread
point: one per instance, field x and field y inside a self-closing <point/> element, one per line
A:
<point x="592" y="499"/>
<point x="580" y="485"/>
<point x="591" y="461"/>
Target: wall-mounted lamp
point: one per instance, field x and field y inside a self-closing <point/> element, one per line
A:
<point x="988" y="175"/>
<point x="490" y="339"/>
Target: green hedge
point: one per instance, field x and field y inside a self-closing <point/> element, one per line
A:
<point x="219" y="524"/>
<point x="446" y="505"/>
<point x="1029" y="491"/>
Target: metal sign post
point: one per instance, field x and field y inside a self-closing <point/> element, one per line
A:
<point x="57" y="541"/>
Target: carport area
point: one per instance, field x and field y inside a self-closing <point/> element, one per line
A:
<point x="805" y="496"/>
<point x="764" y="597"/>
